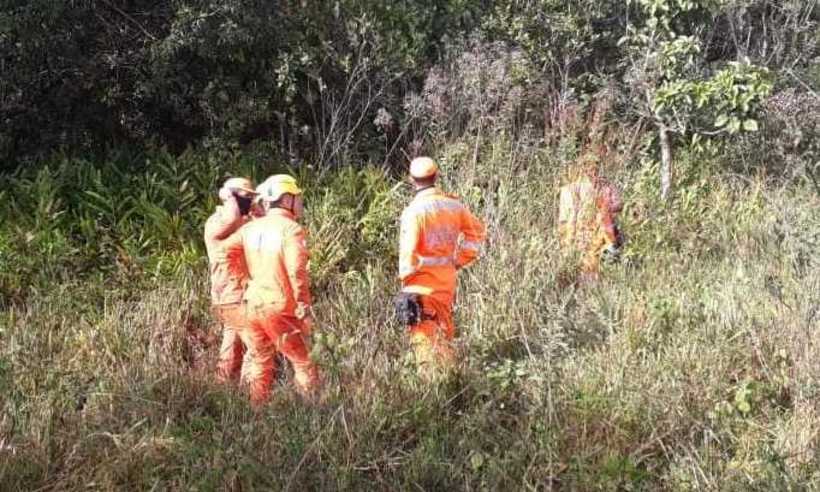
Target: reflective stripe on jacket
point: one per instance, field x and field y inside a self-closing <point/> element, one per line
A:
<point x="275" y="251"/>
<point x="437" y="235"/>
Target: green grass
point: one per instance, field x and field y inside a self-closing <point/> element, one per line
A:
<point x="691" y="365"/>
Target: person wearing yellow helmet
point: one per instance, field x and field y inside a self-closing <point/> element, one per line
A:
<point x="282" y="187"/>
<point x="227" y="288"/>
<point x="278" y="302"/>
<point x="438" y="236"/>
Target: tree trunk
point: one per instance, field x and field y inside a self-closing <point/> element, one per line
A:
<point x="666" y="161"/>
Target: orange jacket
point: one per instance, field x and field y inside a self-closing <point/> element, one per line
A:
<point x="587" y="209"/>
<point x="274" y="249"/>
<point x="226" y="287"/>
<point x="438" y="236"/>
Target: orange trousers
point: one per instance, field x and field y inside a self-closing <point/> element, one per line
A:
<point x="231" y="350"/>
<point x="267" y="332"/>
<point x="432" y="337"/>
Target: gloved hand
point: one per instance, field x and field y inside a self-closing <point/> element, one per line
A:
<point x="611" y="254"/>
<point x="408" y="309"/>
<point x="225" y="194"/>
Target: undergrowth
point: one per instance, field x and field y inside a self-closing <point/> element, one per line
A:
<point x="691" y="365"/>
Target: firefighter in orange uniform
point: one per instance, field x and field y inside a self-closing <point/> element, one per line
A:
<point x="277" y="299"/>
<point x="438" y="236"/>
<point x="227" y="288"/>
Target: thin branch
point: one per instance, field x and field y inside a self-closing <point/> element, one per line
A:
<point x="131" y="19"/>
<point x="806" y="86"/>
<point x="311" y="448"/>
<point x="813" y="178"/>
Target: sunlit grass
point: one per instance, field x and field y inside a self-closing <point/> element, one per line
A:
<point x="690" y="365"/>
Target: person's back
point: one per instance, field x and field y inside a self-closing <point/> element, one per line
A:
<point x="576" y="214"/>
<point x="228" y="287"/>
<point x="587" y="211"/>
<point x="433" y="224"/>
<point x="273" y="248"/>
<point x="438" y="236"/>
<point x="277" y="298"/>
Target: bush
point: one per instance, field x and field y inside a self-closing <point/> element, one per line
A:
<point x="226" y="73"/>
<point x="689" y="365"/>
<point x="793" y="132"/>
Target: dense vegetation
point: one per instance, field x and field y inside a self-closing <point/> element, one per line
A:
<point x="692" y="364"/>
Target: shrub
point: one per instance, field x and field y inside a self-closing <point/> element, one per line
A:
<point x="689" y="365"/>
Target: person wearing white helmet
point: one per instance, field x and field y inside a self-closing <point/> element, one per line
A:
<point x="227" y="288"/>
<point x="278" y="300"/>
<point x="438" y="237"/>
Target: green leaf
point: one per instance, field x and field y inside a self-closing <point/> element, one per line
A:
<point x="477" y="460"/>
<point x="734" y="124"/>
<point x="721" y="120"/>
<point x="750" y="125"/>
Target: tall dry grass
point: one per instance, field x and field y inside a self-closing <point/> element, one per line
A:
<point x="691" y="365"/>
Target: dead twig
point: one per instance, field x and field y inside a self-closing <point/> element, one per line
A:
<point x="130" y="19"/>
<point x="310" y="449"/>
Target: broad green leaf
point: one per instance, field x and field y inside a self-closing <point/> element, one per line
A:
<point x="750" y="125"/>
<point x="477" y="460"/>
<point x="734" y="125"/>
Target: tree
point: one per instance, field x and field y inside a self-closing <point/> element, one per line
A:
<point x="307" y="77"/>
<point x="676" y="88"/>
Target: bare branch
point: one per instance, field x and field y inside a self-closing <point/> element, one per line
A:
<point x="131" y="19"/>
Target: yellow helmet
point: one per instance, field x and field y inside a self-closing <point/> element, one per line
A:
<point x="277" y="185"/>
<point x="423" y="167"/>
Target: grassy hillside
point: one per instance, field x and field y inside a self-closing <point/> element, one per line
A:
<point x="691" y="365"/>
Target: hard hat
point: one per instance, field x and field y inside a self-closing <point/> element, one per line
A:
<point x="239" y="184"/>
<point x="277" y="185"/>
<point x="423" y="167"/>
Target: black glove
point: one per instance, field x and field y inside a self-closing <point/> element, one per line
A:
<point x="619" y="237"/>
<point x="408" y="308"/>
